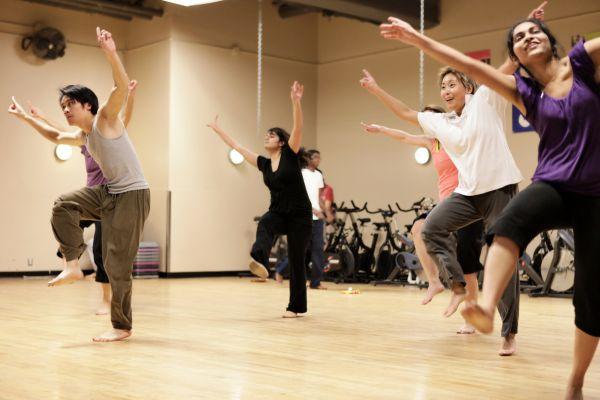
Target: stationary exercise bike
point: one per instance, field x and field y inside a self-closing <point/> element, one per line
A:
<point x="550" y="271"/>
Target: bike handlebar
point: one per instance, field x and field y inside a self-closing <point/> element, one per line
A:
<point x="415" y="206"/>
<point x="389" y="212"/>
<point x="354" y="209"/>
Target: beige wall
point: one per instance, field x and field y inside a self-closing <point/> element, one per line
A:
<point x="149" y="129"/>
<point x="214" y="202"/>
<point x="188" y="74"/>
<point x="32" y="178"/>
<point x="180" y="61"/>
<point x="375" y="169"/>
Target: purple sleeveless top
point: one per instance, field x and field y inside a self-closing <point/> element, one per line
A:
<point x="569" y="128"/>
<point x="94" y="174"/>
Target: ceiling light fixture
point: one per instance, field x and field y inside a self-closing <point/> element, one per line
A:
<point x="188" y="3"/>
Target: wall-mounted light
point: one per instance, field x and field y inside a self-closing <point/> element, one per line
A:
<point x="422" y="155"/>
<point x="188" y="3"/>
<point x="235" y="157"/>
<point x="63" y="152"/>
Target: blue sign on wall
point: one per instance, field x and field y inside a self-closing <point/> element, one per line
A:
<point x="519" y="123"/>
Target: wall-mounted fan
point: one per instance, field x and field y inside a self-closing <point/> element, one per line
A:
<point x="48" y="43"/>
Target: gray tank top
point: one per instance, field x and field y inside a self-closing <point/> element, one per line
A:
<point x="117" y="160"/>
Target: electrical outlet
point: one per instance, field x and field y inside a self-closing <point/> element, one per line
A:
<point x="30" y="262"/>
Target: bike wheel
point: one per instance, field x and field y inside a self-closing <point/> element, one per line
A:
<point x="564" y="271"/>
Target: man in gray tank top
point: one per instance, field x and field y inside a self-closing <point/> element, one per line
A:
<point x="122" y="204"/>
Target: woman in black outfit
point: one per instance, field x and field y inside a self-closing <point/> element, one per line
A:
<point x="290" y="212"/>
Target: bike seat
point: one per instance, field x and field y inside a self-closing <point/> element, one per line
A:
<point x="364" y="220"/>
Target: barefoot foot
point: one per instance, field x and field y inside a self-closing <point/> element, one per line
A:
<point x="509" y="346"/>
<point x="258" y="269"/>
<point x="278" y="278"/>
<point x="320" y="287"/>
<point x="291" y="314"/>
<point x="455" y="301"/>
<point x="432" y="290"/>
<point x="112" y="336"/>
<point x="574" y="393"/>
<point x="466" y="329"/>
<point x="104" y="308"/>
<point x="69" y="275"/>
<point x="482" y="320"/>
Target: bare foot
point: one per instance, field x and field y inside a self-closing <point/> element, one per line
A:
<point x="258" y="269"/>
<point x="466" y="329"/>
<point x="482" y="320"/>
<point x="68" y="275"/>
<point x="291" y="314"/>
<point x="320" y="287"/>
<point x="112" y="336"/>
<point x="509" y="345"/>
<point x="432" y="290"/>
<point x="574" y="393"/>
<point x="103" y="309"/>
<point x="455" y="301"/>
<point x="278" y="278"/>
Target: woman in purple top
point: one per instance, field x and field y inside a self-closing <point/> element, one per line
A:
<point x="561" y="99"/>
<point x="95" y="177"/>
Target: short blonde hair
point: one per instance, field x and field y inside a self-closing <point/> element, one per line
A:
<point x="467" y="82"/>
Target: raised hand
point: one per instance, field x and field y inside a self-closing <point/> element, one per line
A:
<point x="35" y="111"/>
<point x="16" y="109"/>
<point x="297" y="91"/>
<point x="368" y="82"/>
<point x="396" y="29"/>
<point x="132" y="86"/>
<point x="105" y="40"/>
<point x="372" y="128"/>
<point x="538" y="12"/>
<point x="215" y="124"/>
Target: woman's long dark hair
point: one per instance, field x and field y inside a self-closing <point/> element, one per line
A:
<point x="510" y="42"/>
<point x="281" y="134"/>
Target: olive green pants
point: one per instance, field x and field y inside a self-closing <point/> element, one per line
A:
<point x="123" y="216"/>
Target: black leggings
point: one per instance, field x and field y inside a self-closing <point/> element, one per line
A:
<point x="541" y="207"/>
<point x="297" y="226"/>
<point x="101" y="276"/>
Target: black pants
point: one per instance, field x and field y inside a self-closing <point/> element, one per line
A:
<point x="541" y="207"/>
<point x="317" y="253"/>
<point x="101" y="276"/>
<point x="297" y="226"/>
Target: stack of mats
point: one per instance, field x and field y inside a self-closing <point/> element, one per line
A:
<point x="147" y="261"/>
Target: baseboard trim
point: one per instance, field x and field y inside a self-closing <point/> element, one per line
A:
<point x="25" y="274"/>
<point x="202" y="274"/>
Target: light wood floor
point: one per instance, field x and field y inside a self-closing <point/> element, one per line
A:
<point x="223" y="338"/>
